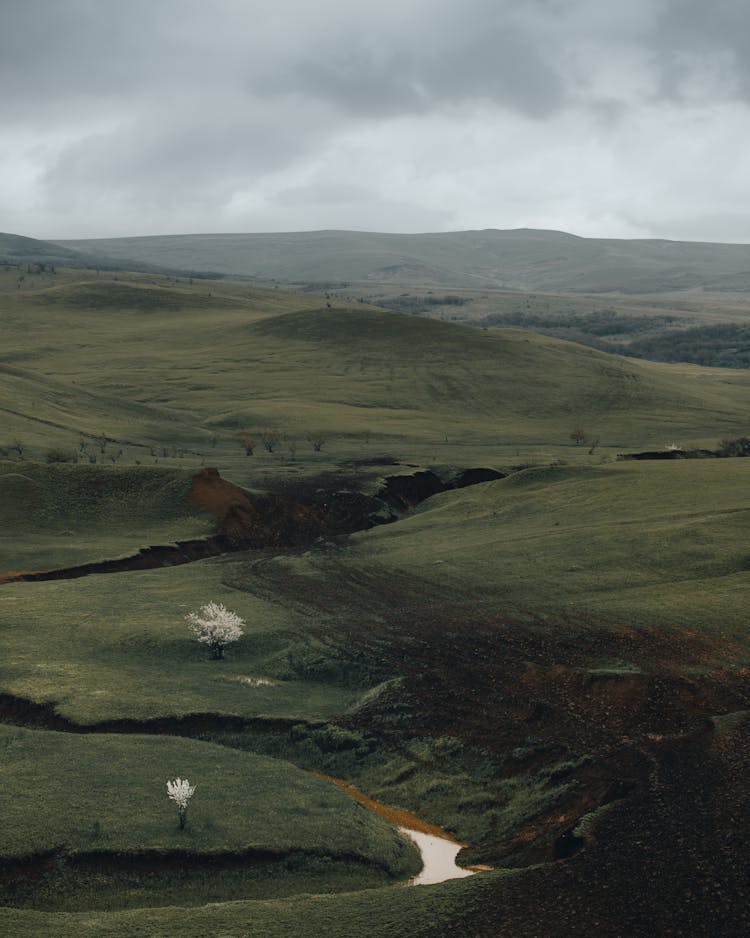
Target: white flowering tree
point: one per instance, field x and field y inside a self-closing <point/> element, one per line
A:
<point x="216" y="626"/>
<point x="180" y="791"/>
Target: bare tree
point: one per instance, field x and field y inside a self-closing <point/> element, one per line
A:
<point x="317" y="440"/>
<point x="270" y="439"/>
<point x="248" y="442"/>
<point x="579" y="436"/>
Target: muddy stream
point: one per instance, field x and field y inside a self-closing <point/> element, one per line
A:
<point x="247" y="522"/>
<point x="437" y="847"/>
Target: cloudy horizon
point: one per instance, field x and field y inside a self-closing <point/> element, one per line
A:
<point x="624" y="121"/>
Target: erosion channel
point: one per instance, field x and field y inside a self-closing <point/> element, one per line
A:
<point x="564" y="751"/>
<point x="252" y="523"/>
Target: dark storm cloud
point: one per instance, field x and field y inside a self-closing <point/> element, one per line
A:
<point x="59" y="59"/>
<point x="474" y="52"/>
<point x="701" y="47"/>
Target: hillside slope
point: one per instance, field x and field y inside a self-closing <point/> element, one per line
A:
<point x="523" y="259"/>
<point x="18" y="249"/>
<point x="147" y="365"/>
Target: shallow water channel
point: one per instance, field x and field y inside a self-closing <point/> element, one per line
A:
<point x="438" y="849"/>
<point x="438" y="858"/>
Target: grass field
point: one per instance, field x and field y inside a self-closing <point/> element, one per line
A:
<point x="246" y="359"/>
<point x="55" y="515"/>
<point x="628" y="542"/>
<point x="518" y="660"/>
<point x="116" y="646"/>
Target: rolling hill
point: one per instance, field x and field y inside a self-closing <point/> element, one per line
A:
<point x="18" y="249"/>
<point x="163" y="365"/>
<point x="523" y="259"/>
<point x="550" y="662"/>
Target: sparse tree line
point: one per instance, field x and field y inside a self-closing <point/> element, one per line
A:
<point x="569" y="324"/>
<point x="102" y="449"/>
<point x="656" y="338"/>
<point x="28" y="269"/>
<point x="271" y="440"/>
<point x="737" y="446"/>
<point x="408" y="303"/>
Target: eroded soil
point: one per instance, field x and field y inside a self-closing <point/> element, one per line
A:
<point x="650" y="833"/>
<point x="653" y="834"/>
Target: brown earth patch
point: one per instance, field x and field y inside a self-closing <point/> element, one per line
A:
<point x="397" y="816"/>
<point x="256" y="520"/>
<point x="652" y="836"/>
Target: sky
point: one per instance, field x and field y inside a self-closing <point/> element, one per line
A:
<point x="599" y="117"/>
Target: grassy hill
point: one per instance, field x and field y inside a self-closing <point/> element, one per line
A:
<point x="158" y="367"/>
<point x="552" y="664"/>
<point x="620" y="542"/>
<point x="522" y="259"/>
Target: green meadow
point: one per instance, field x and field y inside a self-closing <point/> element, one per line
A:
<point x="650" y="543"/>
<point x="411" y="658"/>
<point x="176" y="368"/>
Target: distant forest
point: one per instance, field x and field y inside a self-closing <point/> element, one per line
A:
<point x="658" y="338"/>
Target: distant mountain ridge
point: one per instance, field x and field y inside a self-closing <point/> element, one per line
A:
<point x="19" y="249"/>
<point x="521" y="259"/>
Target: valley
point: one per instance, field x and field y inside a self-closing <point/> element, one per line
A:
<point x="453" y="601"/>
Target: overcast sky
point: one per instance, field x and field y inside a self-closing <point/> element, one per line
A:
<point x="620" y="118"/>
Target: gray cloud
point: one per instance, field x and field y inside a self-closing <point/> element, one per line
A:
<point x="476" y="52"/>
<point x="179" y="115"/>
<point x="702" y="49"/>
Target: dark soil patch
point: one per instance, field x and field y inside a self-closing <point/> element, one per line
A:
<point x="653" y="835"/>
<point x="270" y="521"/>
<point x="22" y="712"/>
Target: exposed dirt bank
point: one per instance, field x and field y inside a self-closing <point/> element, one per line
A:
<point x="269" y="521"/>
<point x="144" y="861"/>
<point x="258" y="520"/>
<point x="147" y="558"/>
<point x="654" y="829"/>
<point x="396" y="816"/>
<point x="100" y="879"/>
<point x="22" y="712"/>
<point x="437" y="847"/>
<point x="406" y="491"/>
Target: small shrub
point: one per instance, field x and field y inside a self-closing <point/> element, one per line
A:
<point x="248" y="443"/>
<point x="56" y="454"/>
<point x="736" y="447"/>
